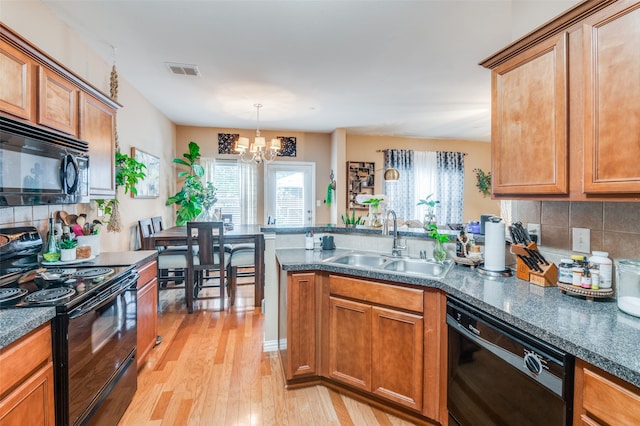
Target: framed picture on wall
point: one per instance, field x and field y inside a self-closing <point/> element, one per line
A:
<point x="149" y="187"/>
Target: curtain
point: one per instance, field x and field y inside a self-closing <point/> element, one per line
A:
<point x="450" y="186"/>
<point x="248" y="193"/>
<point x="426" y="175"/>
<point x="400" y="194"/>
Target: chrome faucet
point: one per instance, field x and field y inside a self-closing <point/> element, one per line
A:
<point x="397" y="248"/>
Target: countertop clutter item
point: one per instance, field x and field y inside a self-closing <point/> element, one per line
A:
<point x="494" y="246"/>
<point x="601" y="263"/>
<point x="628" y="286"/>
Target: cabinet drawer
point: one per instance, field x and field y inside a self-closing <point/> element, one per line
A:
<point x="613" y="402"/>
<point x="377" y="293"/>
<point x="21" y="358"/>
<point x="148" y="271"/>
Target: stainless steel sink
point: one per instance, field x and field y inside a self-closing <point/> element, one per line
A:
<point x="417" y="267"/>
<point x="361" y="260"/>
<point x="426" y="268"/>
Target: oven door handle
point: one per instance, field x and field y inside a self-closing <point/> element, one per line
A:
<point x="105" y="297"/>
<point x="546" y="379"/>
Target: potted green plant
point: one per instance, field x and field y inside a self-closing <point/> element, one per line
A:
<point x="195" y="197"/>
<point x="375" y="219"/>
<point x="439" y="253"/>
<point x="483" y="181"/>
<point x="351" y="221"/>
<point x="129" y="172"/>
<point x="430" y="215"/>
<point x="68" y="250"/>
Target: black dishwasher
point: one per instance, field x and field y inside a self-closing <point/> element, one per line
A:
<point x="499" y="375"/>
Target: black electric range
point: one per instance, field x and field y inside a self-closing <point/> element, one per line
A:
<point x="94" y="331"/>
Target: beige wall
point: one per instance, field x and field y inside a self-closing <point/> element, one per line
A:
<point x="364" y="148"/>
<point x="140" y="124"/>
<point x="310" y="147"/>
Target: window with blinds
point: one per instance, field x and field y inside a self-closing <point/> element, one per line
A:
<point x="228" y="190"/>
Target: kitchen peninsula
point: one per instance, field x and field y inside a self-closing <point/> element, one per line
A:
<point x="594" y="332"/>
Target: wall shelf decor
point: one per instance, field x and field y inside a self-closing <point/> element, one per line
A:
<point x="360" y="180"/>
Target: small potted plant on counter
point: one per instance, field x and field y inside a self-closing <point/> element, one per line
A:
<point x="68" y="250"/>
<point x="439" y="253"/>
<point x="375" y="215"/>
<point x="351" y="221"/>
<point x="430" y="216"/>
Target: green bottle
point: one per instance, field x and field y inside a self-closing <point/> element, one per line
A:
<point x="52" y="250"/>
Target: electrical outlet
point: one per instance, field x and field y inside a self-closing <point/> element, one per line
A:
<point x="534" y="229"/>
<point x="581" y="240"/>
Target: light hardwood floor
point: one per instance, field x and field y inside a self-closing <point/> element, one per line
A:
<point x="210" y="370"/>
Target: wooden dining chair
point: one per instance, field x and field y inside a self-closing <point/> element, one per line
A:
<point x="242" y="258"/>
<point x="204" y="256"/>
<point x="157" y="224"/>
<point x="171" y="263"/>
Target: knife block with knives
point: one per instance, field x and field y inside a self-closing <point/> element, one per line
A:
<point x="533" y="267"/>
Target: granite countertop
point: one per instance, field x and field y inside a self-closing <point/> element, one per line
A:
<point x="597" y="332"/>
<point x="17" y="322"/>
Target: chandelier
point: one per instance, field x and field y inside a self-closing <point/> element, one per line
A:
<point x="257" y="151"/>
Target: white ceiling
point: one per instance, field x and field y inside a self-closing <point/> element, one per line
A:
<point x="403" y="68"/>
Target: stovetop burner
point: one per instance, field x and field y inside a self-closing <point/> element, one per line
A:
<point x="50" y="295"/>
<point x="8" y="295"/>
<point x="92" y="272"/>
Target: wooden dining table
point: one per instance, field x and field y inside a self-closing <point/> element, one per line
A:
<point x="177" y="236"/>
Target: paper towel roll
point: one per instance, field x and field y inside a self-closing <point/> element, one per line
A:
<point x="494" y="246"/>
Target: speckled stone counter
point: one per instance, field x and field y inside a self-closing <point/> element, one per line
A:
<point x="594" y="331"/>
<point x="123" y="258"/>
<point x="15" y="323"/>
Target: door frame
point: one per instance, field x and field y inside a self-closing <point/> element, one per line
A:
<point x="267" y="168"/>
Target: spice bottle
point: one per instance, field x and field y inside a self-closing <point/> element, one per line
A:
<point x="586" y="278"/>
<point x="565" y="273"/>
<point x="601" y="261"/>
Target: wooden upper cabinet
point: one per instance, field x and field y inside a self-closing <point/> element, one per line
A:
<point x="57" y="102"/>
<point x="17" y="82"/>
<point x="611" y="55"/>
<point x="97" y="127"/>
<point x="530" y="121"/>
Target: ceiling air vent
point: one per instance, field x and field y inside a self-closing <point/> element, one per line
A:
<point x="183" y="69"/>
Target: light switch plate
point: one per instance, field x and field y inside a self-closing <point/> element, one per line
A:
<point x="534" y="229"/>
<point x="581" y="240"/>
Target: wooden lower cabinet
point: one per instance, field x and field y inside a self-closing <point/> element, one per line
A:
<point x="602" y="399"/>
<point x="302" y="351"/>
<point x="377" y="350"/>
<point x="350" y="342"/>
<point x="147" y="319"/>
<point x="26" y="387"/>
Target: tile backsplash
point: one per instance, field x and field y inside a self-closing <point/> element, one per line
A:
<point x="37" y="216"/>
<point x="615" y="227"/>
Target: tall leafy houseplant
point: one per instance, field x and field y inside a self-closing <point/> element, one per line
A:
<point x="129" y="172"/>
<point x="195" y="196"/>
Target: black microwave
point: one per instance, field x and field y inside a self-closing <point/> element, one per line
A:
<point x="39" y="167"/>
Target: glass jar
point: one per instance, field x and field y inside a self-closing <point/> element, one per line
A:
<point x="628" y="286"/>
<point x="439" y="253"/>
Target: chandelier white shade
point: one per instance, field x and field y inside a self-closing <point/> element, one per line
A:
<point x="257" y="151"/>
